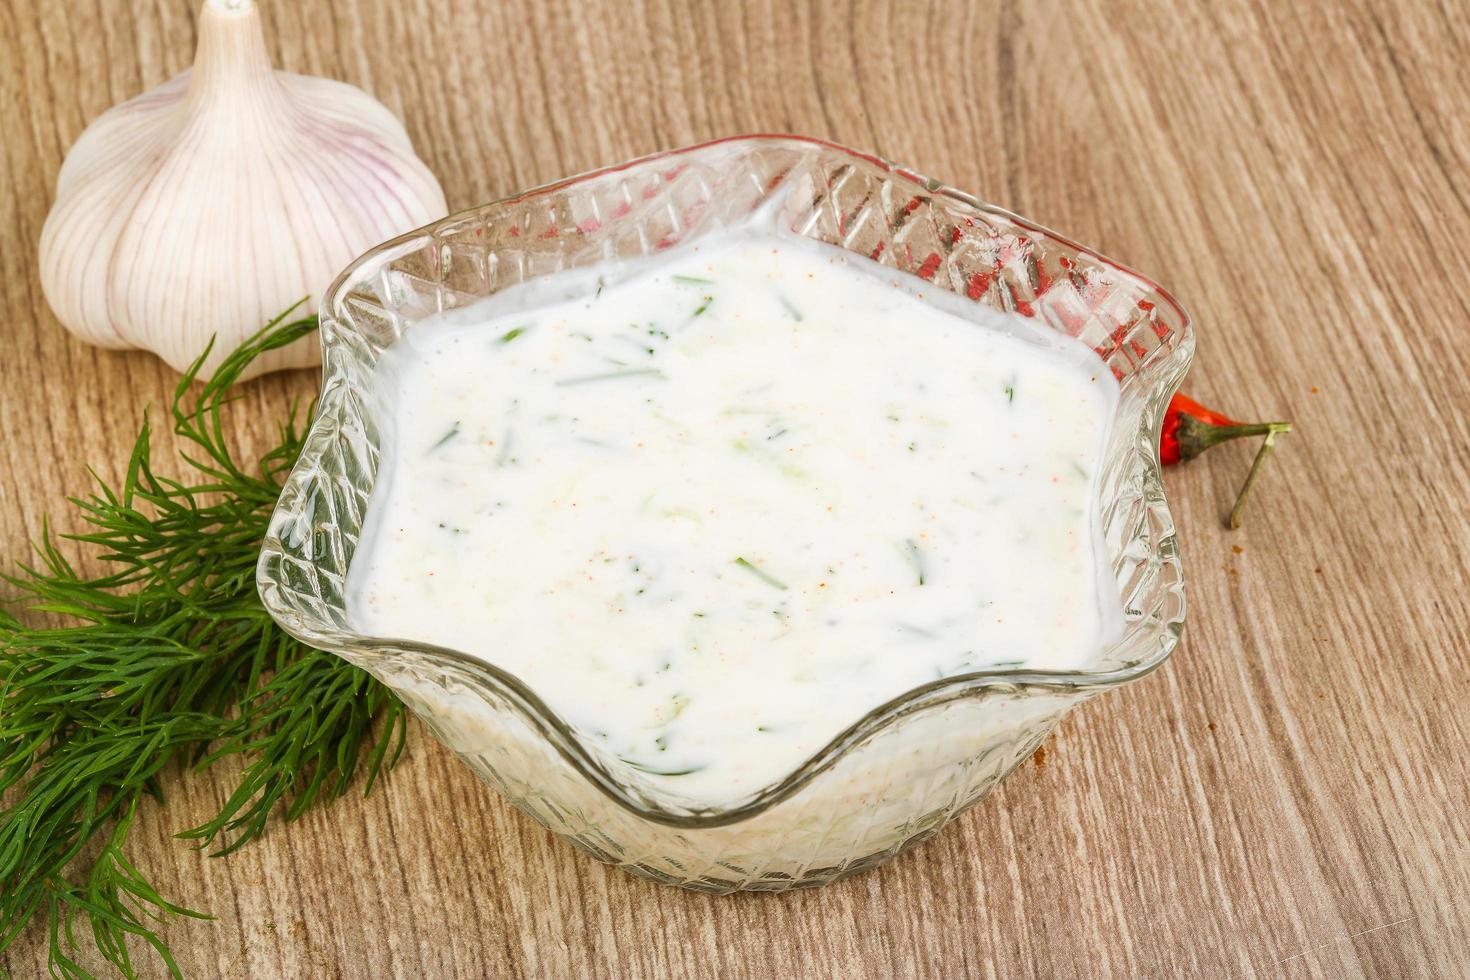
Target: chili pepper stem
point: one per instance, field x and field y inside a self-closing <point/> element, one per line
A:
<point x="1196" y="435"/>
<point x="1271" y="431"/>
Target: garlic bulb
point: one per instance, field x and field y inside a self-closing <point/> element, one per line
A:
<point x="208" y="205"/>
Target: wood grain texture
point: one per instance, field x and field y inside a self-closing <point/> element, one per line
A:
<point x="1288" y="797"/>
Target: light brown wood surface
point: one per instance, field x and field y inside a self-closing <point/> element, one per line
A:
<point x="1287" y="797"/>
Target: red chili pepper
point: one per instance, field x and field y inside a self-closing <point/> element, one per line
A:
<point x="1190" y="428"/>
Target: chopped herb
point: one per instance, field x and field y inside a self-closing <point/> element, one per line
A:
<point x="662" y="742"/>
<point x="777" y="434"/>
<point x="510" y="335"/>
<point x="795" y="313"/>
<point x="453" y="431"/>
<point x="693" y="281"/>
<point x="505" y="444"/>
<point x="644" y="767"/>
<point x="769" y="580"/>
<point x="704" y="306"/>
<point x="1010" y="393"/>
<point x="793" y="472"/>
<point x="917" y="557"/>
<point x="1077" y="468"/>
<point x="609" y="376"/>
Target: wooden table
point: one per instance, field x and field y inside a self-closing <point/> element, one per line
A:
<point x="1288" y="797"/>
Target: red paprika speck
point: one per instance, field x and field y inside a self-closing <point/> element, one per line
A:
<point x="930" y="266"/>
<point x="979" y="283"/>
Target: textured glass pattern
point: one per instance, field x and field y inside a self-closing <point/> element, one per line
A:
<point x="908" y="767"/>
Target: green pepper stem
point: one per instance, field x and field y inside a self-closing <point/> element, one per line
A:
<point x="1271" y="430"/>
<point x="1196" y="435"/>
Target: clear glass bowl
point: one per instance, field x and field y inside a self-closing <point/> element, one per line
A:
<point x="905" y="769"/>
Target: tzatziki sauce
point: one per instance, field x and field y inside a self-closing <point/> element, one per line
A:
<point x="715" y="507"/>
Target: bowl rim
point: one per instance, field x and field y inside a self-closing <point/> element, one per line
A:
<point x="364" y="651"/>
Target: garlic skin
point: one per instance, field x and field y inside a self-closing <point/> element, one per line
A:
<point x="208" y="205"/>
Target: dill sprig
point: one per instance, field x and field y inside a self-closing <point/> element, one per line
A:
<point x="759" y="573"/>
<point x="165" y="657"/>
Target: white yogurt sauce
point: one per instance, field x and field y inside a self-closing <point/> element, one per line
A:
<point x="715" y="511"/>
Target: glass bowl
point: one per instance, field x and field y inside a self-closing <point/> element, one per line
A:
<point x="909" y="766"/>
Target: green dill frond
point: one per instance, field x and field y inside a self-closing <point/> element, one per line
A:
<point x="165" y="655"/>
